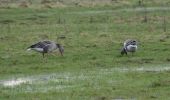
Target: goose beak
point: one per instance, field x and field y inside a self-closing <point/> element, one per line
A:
<point x="61" y="51"/>
<point x="123" y="51"/>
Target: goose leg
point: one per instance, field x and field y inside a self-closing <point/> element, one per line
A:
<point x="44" y="58"/>
<point x="43" y="55"/>
<point x="126" y="52"/>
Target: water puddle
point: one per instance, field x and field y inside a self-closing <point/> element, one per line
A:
<point x="67" y="80"/>
<point x="138" y="9"/>
<point x="138" y="69"/>
<point x="14" y="82"/>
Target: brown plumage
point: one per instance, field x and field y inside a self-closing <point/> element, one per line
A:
<point x="46" y="47"/>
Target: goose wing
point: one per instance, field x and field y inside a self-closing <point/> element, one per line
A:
<point x="129" y="42"/>
<point x="38" y="45"/>
<point x="47" y="42"/>
<point x="41" y="44"/>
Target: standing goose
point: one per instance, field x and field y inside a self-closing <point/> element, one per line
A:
<point x="46" y="47"/>
<point x="129" y="46"/>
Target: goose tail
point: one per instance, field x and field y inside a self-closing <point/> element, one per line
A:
<point x="28" y="49"/>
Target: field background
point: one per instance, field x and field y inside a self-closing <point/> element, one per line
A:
<point x="92" y="33"/>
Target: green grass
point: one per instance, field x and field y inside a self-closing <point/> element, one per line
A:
<point x="78" y="3"/>
<point x="92" y="67"/>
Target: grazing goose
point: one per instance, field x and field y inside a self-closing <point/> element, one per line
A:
<point x="129" y="46"/>
<point x="46" y="47"/>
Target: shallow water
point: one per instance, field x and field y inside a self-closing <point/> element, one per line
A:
<point x="14" y="82"/>
<point x="43" y="82"/>
<point x="137" y="9"/>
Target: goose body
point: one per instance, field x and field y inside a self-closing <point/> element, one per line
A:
<point x="46" y="47"/>
<point x="129" y="46"/>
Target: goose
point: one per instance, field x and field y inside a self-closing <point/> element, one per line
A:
<point x="46" y="47"/>
<point x="129" y="46"/>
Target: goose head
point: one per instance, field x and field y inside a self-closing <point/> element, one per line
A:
<point x="61" y="48"/>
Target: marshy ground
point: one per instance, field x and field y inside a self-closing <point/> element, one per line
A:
<point x="92" y="67"/>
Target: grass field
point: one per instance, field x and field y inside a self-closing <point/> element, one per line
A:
<point x="92" y="67"/>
